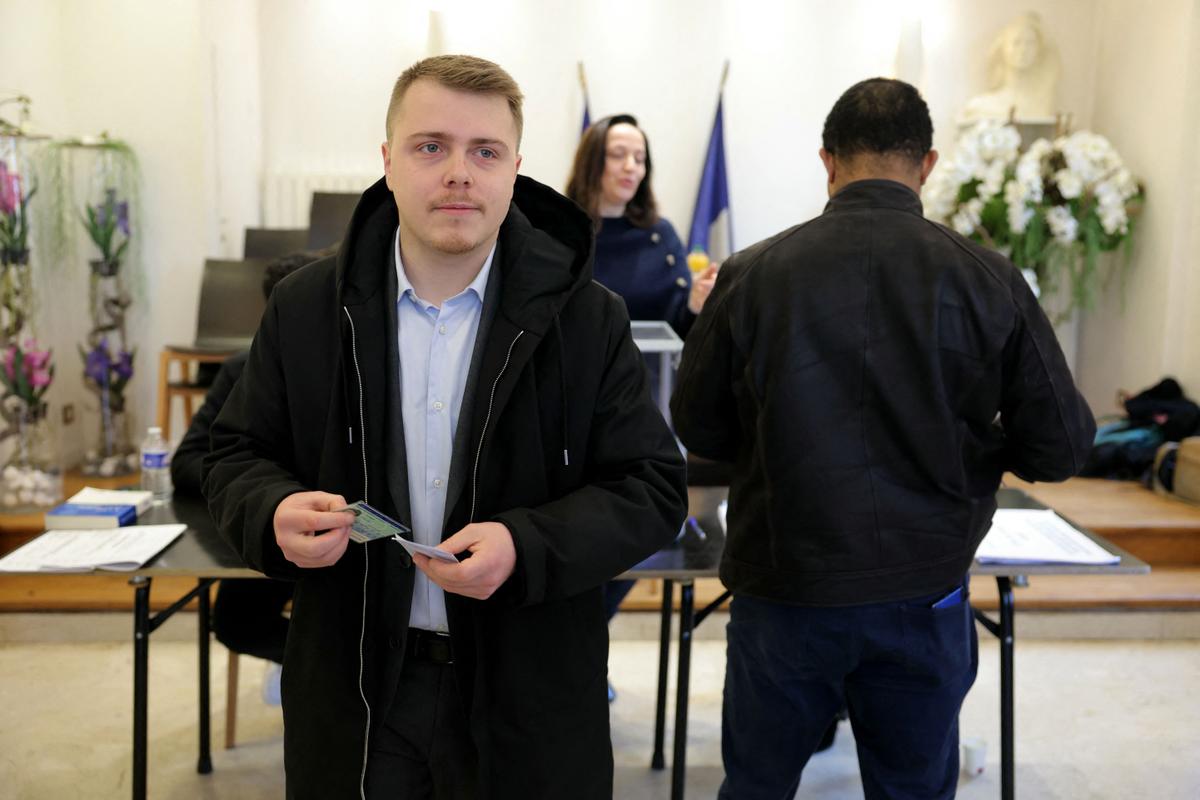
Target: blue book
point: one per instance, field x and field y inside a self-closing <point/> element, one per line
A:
<point x="89" y="517"/>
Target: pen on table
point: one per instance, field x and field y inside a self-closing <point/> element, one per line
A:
<point x="696" y="527"/>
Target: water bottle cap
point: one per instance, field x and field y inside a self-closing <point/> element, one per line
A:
<point x="154" y="429"/>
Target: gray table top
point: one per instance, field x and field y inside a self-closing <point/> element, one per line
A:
<point x="694" y="557"/>
<point x="201" y="552"/>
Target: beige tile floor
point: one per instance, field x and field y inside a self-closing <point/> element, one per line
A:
<point x="1095" y="719"/>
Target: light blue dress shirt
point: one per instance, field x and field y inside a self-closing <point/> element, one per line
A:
<point x="435" y="349"/>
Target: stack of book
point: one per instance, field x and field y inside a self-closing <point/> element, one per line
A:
<point x="92" y="509"/>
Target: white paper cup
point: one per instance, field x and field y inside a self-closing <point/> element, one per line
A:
<point x="974" y="756"/>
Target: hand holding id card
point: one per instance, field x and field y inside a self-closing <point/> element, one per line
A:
<point x="371" y="524"/>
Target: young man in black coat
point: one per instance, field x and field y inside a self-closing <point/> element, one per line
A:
<point x="871" y="375"/>
<point x="456" y="367"/>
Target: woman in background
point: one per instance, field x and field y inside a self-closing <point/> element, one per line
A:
<point x="638" y="254"/>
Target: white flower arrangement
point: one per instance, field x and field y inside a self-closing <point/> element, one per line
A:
<point x="1052" y="209"/>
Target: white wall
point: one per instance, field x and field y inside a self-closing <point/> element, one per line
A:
<point x="139" y="71"/>
<point x="327" y="74"/>
<point x="1148" y="105"/>
<point x="213" y="95"/>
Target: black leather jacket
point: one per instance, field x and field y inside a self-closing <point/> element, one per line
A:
<point x="871" y="374"/>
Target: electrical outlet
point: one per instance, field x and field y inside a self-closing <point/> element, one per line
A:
<point x="68" y="413"/>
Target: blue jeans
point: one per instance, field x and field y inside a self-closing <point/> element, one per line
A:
<point x="902" y="668"/>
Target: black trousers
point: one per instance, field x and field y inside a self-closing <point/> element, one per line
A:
<point x="423" y="749"/>
<point x="248" y="616"/>
<point x="901" y="668"/>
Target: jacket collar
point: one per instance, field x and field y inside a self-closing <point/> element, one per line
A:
<point x="545" y="252"/>
<point x="875" y="193"/>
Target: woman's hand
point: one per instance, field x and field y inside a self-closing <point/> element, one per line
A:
<point x="702" y="286"/>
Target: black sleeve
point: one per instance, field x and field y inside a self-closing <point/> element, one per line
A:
<point x="703" y="407"/>
<point x="246" y="474"/>
<point x="679" y="315"/>
<point x="1048" y="427"/>
<point x="185" y="462"/>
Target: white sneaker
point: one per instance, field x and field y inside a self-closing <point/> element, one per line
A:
<point x="272" y="694"/>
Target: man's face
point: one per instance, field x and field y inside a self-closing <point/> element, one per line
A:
<point x="451" y="164"/>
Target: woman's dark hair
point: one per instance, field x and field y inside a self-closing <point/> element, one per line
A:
<point x="879" y="116"/>
<point x="590" y="157"/>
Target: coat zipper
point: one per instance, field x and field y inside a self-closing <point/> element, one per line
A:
<point x="487" y="419"/>
<point x="362" y="633"/>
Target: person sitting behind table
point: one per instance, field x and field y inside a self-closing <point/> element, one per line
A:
<point x="248" y="612"/>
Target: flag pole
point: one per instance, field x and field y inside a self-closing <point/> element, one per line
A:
<point x="724" y="76"/>
<point x="582" y="79"/>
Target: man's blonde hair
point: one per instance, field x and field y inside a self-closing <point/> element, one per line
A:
<point x="463" y="74"/>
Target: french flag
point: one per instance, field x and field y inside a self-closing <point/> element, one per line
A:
<point x="712" y="225"/>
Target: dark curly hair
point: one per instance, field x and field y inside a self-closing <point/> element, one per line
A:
<point x="584" y="184"/>
<point x="879" y="116"/>
<point x="283" y="266"/>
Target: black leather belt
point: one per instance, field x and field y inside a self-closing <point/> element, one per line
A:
<point x="429" y="646"/>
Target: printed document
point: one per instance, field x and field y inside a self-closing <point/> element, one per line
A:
<point x="120" y="549"/>
<point x="1028" y="536"/>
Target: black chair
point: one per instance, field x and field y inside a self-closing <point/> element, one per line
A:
<point x="274" y="242"/>
<point x="329" y="217"/>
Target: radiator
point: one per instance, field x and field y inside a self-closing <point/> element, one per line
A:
<point x="287" y="197"/>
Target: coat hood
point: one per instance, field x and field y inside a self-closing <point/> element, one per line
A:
<point x="545" y="251"/>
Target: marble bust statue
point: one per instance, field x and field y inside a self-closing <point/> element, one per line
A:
<point x="1023" y="73"/>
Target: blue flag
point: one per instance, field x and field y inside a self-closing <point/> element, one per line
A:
<point x="712" y="226"/>
<point x="587" y="116"/>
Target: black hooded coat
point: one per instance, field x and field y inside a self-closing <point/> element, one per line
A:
<point x="565" y="448"/>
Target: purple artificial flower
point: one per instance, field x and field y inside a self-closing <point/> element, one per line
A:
<point x="103" y="208"/>
<point x="10" y="190"/>
<point x="123" y="217"/>
<point x="123" y="366"/>
<point x="97" y="364"/>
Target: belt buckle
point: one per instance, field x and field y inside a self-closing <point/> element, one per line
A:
<point x="439" y="649"/>
<point x="432" y="646"/>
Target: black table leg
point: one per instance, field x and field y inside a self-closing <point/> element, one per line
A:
<point x="1007" y="639"/>
<point x="679" y="767"/>
<point x="1005" y="631"/>
<point x="141" y="656"/>
<point x="204" y="764"/>
<point x="664" y="654"/>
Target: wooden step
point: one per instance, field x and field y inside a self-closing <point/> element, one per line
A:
<point x="107" y="592"/>
<point x="1166" y="588"/>
<point x="1160" y="530"/>
<point x="1163" y="589"/>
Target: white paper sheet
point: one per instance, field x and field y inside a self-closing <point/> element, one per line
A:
<point x="1027" y="536"/>
<point x="120" y="549"/>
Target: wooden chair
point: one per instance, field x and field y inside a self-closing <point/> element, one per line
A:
<point x="231" y="695"/>
<point x="184" y="363"/>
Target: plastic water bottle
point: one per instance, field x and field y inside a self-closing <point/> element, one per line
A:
<point x="156" y="465"/>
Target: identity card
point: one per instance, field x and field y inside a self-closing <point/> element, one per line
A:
<point x="371" y="524"/>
